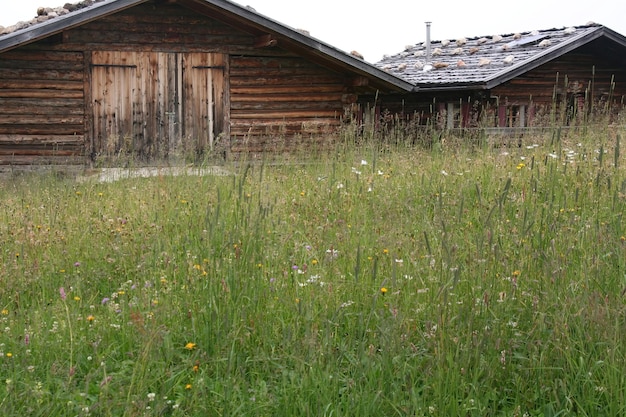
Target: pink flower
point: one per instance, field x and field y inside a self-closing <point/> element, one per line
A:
<point x="62" y="292"/>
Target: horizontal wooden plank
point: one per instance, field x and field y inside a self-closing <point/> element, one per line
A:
<point x="40" y="84"/>
<point x="296" y="91"/>
<point x="40" y="129"/>
<point x="37" y="56"/>
<point x="25" y="93"/>
<point x="312" y="106"/>
<point x="41" y="74"/>
<point x="42" y="140"/>
<point x="285" y="98"/>
<point x="277" y="116"/>
<point x="21" y="160"/>
<point x="27" y="119"/>
<point x="285" y="80"/>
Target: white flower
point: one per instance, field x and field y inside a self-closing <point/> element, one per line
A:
<point x="151" y="396"/>
<point x="443" y="171"/>
<point x="363" y="162"/>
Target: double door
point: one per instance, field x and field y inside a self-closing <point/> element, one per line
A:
<point x="156" y="105"/>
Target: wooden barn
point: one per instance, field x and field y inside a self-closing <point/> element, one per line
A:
<point x="162" y="78"/>
<point x="508" y="81"/>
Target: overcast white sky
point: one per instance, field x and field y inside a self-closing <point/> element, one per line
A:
<point x="374" y="27"/>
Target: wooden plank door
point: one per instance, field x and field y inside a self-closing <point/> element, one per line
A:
<point x="156" y="105"/>
<point x="113" y="79"/>
<point x="203" y="99"/>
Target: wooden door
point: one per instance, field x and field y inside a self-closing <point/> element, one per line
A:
<point x="156" y="105"/>
<point x="203" y="99"/>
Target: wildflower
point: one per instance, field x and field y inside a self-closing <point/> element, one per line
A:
<point x="76" y="298"/>
<point x="302" y="194"/>
<point x="363" y="162"/>
<point x="383" y="290"/>
<point x="195" y="368"/>
<point x="188" y="386"/>
<point x="190" y="346"/>
<point x="151" y="396"/>
<point x="76" y="264"/>
<point x="105" y="300"/>
<point x="385" y="251"/>
<point x="314" y="262"/>
<point x="26" y="339"/>
<point x="9" y="355"/>
<point x="90" y="318"/>
<point x="4" y="312"/>
<point x="521" y="165"/>
<point x="62" y="292"/>
<point x="517" y="273"/>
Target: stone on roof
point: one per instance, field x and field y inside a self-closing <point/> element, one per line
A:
<point x="474" y="60"/>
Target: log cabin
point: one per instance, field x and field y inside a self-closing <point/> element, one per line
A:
<point x="87" y="82"/>
<point x="512" y="81"/>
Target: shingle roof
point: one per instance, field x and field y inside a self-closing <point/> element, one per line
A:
<point x="483" y="62"/>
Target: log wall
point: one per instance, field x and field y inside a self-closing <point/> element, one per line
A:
<point x="41" y="107"/>
<point x="272" y="98"/>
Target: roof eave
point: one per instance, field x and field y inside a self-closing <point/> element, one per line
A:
<point x="313" y="46"/>
<point x="51" y="27"/>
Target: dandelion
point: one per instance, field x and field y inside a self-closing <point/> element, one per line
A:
<point x="190" y="346"/>
<point x="385" y="251"/>
<point x="520" y="165"/>
<point x="195" y="368"/>
<point x="188" y="386"/>
<point x="9" y="355"/>
<point x="90" y="318"/>
<point x="383" y="290"/>
<point x="76" y="298"/>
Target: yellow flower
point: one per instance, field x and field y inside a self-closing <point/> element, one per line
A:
<point x="76" y="298"/>
<point x="9" y="355"/>
<point x="385" y="251"/>
<point x="5" y="312"/>
<point x="314" y="261"/>
<point x="188" y="386"/>
<point x="517" y="273"/>
<point x="190" y="346"/>
<point x="521" y="165"/>
<point x="383" y="290"/>
<point x="195" y="368"/>
<point x="90" y="318"/>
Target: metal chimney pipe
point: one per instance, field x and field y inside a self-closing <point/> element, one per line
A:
<point x="428" y="42"/>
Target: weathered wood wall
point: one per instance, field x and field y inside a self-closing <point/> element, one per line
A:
<point x="271" y="98"/>
<point x="41" y="107"/>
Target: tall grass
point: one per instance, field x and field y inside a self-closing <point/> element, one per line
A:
<point x="378" y="280"/>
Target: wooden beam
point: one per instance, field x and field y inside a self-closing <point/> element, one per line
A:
<point x="358" y="82"/>
<point x="265" y="41"/>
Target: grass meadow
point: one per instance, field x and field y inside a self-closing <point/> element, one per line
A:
<point x="378" y="280"/>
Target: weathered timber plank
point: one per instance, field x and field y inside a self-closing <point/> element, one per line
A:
<point x="294" y="90"/>
<point x="312" y="106"/>
<point x="24" y="93"/>
<point x="283" y="114"/>
<point x="41" y="74"/>
<point x="44" y="140"/>
<point x="12" y="129"/>
<point x="41" y="85"/>
<point x="289" y="98"/>
<point x="284" y="80"/>
<point x="22" y="160"/>
<point x="28" y="119"/>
